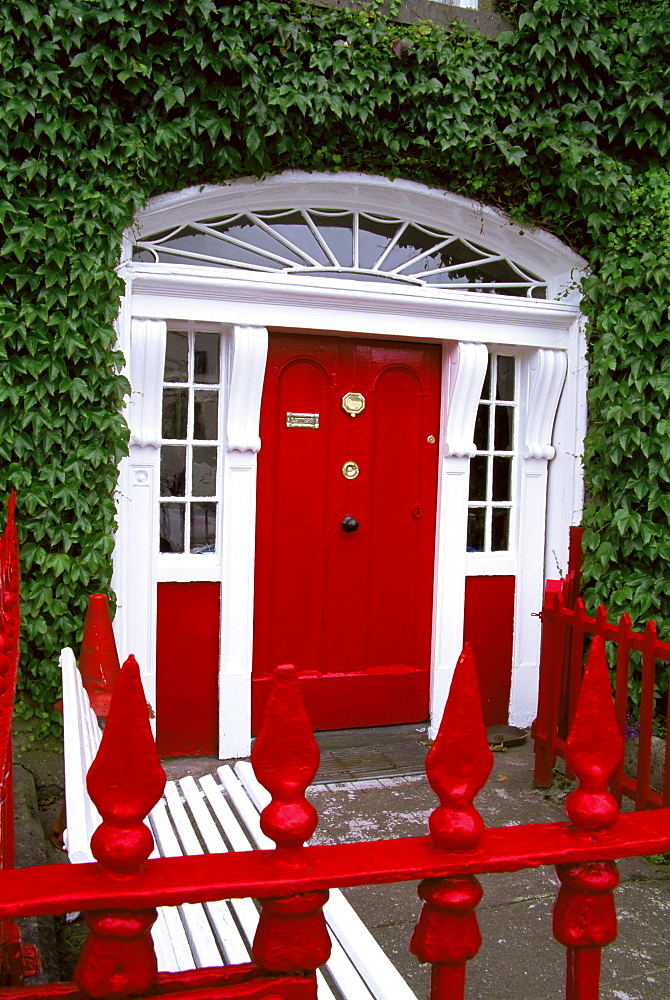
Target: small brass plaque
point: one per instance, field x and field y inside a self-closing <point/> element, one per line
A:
<point x="302" y="420"/>
<point x="350" y="470"/>
<point x="353" y="403"/>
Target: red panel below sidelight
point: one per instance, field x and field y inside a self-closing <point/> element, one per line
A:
<point x="187" y="669"/>
<point x="350" y="701"/>
<point x="489" y="628"/>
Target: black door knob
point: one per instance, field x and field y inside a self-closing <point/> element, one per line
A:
<point x="349" y="524"/>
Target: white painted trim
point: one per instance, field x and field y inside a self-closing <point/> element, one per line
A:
<point x="247" y="355"/>
<point x="544" y="379"/>
<point x="470" y="361"/>
<point x="463" y="374"/>
<point x="187" y="292"/>
<point x="534" y="249"/>
<point x="147" y="357"/>
<point x="136" y="557"/>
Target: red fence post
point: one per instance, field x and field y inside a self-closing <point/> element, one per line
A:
<point x="124" y="781"/>
<point x="291" y="933"/>
<point x="551" y="670"/>
<point x="584" y="914"/>
<point x="460" y="761"/>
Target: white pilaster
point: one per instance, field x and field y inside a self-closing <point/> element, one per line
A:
<point x="246" y="369"/>
<point x="546" y="375"/>
<point x="137" y="542"/>
<point x="463" y="373"/>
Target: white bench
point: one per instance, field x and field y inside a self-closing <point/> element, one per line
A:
<point x="214" y="816"/>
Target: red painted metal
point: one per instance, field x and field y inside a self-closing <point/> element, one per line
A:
<point x="125" y="781"/>
<point x="584" y="914"/>
<point x="120" y="891"/>
<point x="489" y="629"/>
<point x="17" y="962"/>
<point x="460" y="761"/>
<point x="565" y="634"/>
<point x="187" y="669"/>
<point x="292" y="930"/>
<point x="98" y="658"/>
<point x="352" y="610"/>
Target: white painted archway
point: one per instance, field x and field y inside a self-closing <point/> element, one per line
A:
<point x="544" y="335"/>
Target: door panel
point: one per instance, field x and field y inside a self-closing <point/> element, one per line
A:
<point x="489" y="628"/>
<point x="352" y="610"/>
<point x="187" y="669"/>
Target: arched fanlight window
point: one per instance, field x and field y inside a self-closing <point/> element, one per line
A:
<point x="348" y="244"/>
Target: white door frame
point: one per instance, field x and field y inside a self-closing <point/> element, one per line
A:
<point x="545" y="335"/>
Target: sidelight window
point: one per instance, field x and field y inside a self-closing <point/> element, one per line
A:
<point x="491" y="493"/>
<point x="190" y="459"/>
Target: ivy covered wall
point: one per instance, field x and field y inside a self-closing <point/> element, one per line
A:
<point x="107" y="102"/>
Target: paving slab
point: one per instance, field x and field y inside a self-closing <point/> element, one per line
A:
<point x="519" y="958"/>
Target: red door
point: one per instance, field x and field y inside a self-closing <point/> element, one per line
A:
<point x="351" y="608"/>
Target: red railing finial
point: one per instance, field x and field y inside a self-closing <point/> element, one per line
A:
<point x="447" y="934"/>
<point x="285" y="759"/>
<point x="460" y="761"/>
<point x="124" y="781"/>
<point x="595" y="746"/>
<point x="584" y="917"/>
<point x="291" y="932"/>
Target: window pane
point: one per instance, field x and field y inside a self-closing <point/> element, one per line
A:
<point x="476" y="529"/>
<point x="503" y="435"/>
<point x="502" y="479"/>
<point x="206" y="360"/>
<point x="500" y="529"/>
<point x="374" y="235"/>
<point x="172" y="527"/>
<point x="505" y="386"/>
<point x="175" y="413"/>
<point x="412" y="242"/>
<point x="205" y="414"/>
<point x="478" y="475"/>
<point x="173" y="471"/>
<point x="338" y="232"/>
<point x="176" y="357"/>
<point x="203" y="528"/>
<point x="204" y="472"/>
<point x="292" y="226"/>
<point x="482" y="428"/>
<point x="486" y="388"/>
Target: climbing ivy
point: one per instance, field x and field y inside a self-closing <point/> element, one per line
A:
<point x="561" y="122"/>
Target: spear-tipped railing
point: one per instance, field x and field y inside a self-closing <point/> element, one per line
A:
<point x="120" y="891"/>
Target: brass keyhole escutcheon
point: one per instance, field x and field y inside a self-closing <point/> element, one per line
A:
<point x="350" y="470"/>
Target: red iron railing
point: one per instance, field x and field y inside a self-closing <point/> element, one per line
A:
<point x="120" y="891"/>
<point x="567" y="632"/>
<point x="15" y="961"/>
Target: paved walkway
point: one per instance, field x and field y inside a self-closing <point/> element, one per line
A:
<point x="368" y="788"/>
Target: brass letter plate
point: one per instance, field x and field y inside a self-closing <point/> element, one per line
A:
<point x="302" y="420"/>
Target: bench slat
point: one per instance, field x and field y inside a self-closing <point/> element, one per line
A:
<point x="229" y="937"/>
<point x="196" y="925"/>
<point x="245" y="909"/>
<point x="380" y="974"/>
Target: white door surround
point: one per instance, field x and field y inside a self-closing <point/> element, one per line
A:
<point x="545" y="337"/>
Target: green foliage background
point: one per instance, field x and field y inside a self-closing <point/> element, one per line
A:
<point x="108" y="102"/>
